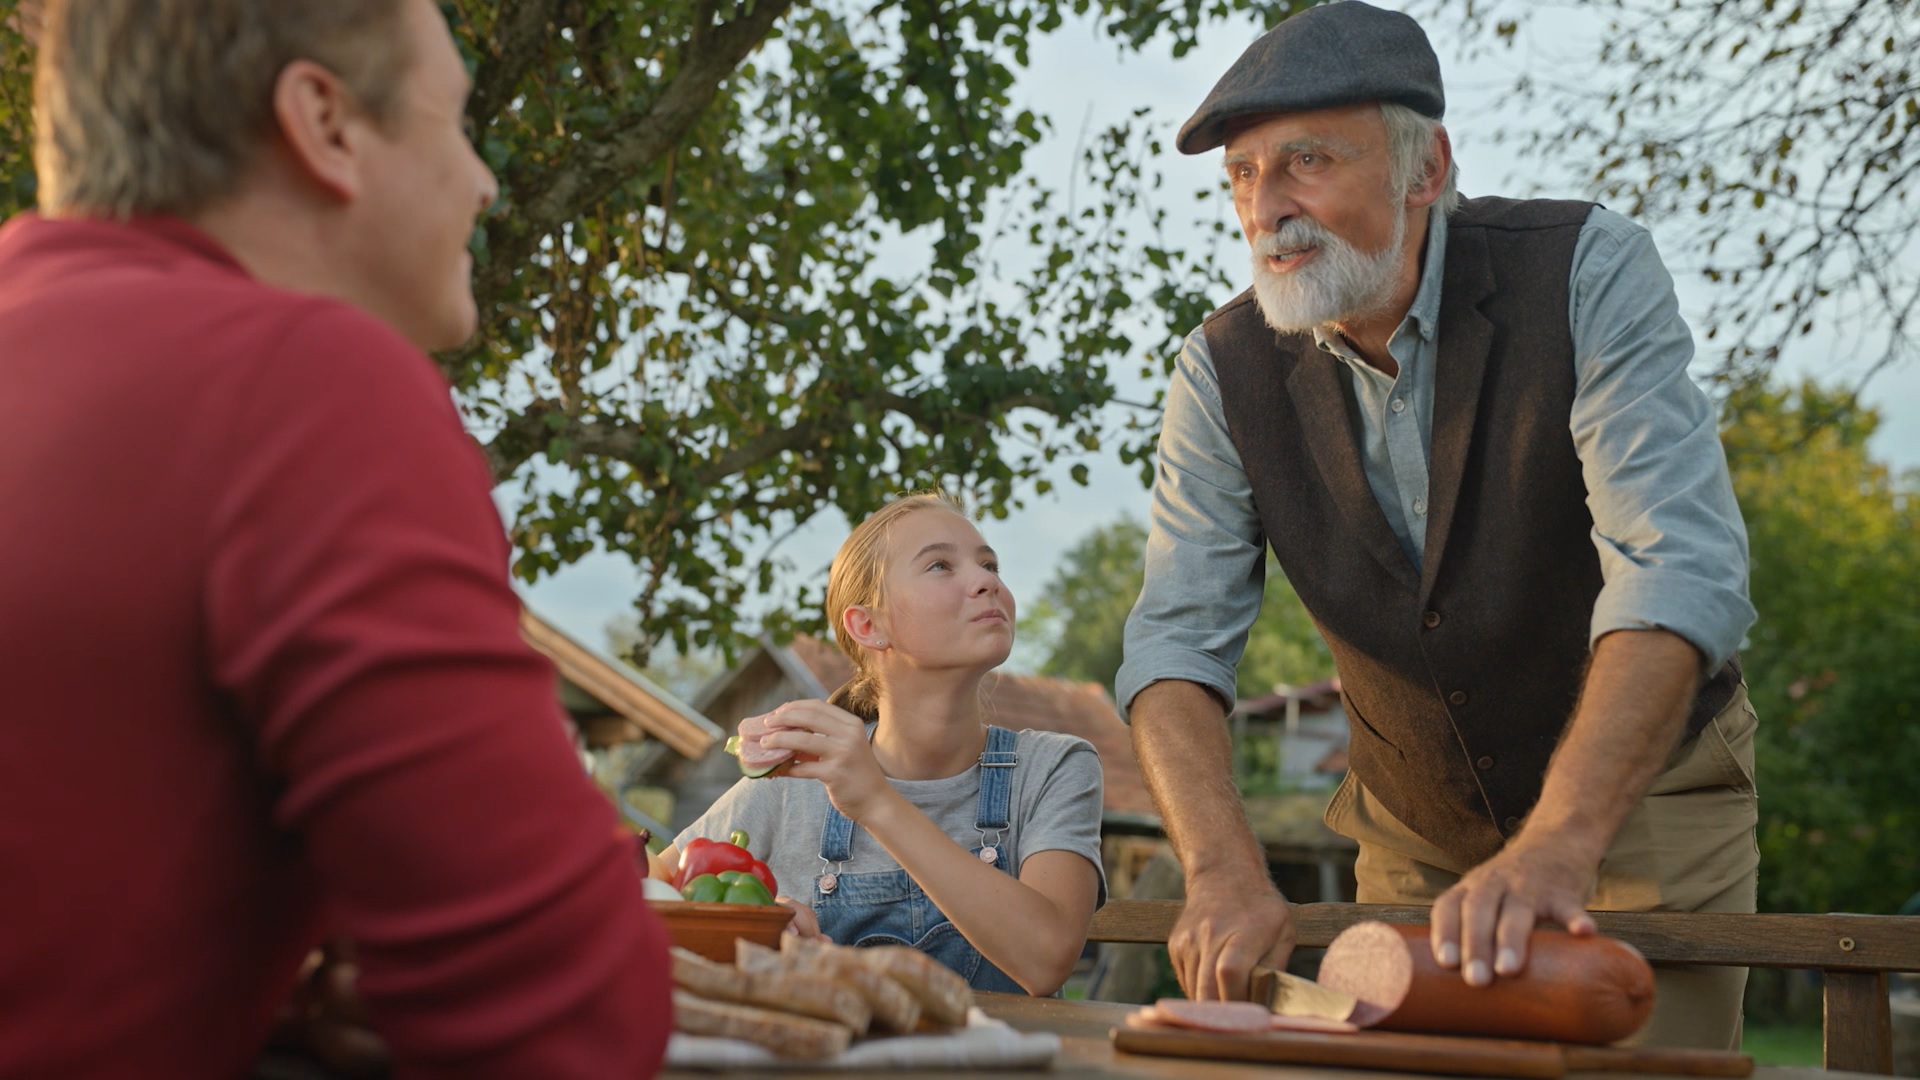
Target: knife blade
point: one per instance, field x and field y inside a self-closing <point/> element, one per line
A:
<point x="1290" y="995"/>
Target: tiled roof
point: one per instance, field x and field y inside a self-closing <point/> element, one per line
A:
<point x="1040" y="702"/>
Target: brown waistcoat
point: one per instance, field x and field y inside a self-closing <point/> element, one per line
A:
<point x="1457" y="679"/>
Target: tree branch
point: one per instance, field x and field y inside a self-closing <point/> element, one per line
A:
<point x="591" y="169"/>
<point x="526" y="434"/>
<point x="519" y="36"/>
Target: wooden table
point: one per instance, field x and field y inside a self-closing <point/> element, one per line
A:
<point x="1086" y="1052"/>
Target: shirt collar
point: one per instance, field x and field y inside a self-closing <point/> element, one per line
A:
<point x="140" y="231"/>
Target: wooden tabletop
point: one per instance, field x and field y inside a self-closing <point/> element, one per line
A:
<point x="1085" y="1051"/>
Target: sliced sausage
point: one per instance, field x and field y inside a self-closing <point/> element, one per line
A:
<point x="1575" y="989"/>
<point x="1226" y="1016"/>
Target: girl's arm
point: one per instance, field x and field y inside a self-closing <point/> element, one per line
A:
<point x="1033" y="927"/>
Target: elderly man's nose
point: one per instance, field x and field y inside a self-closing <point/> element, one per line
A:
<point x="1273" y="207"/>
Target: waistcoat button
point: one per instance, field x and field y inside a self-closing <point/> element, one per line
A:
<point x="1458" y="697"/>
<point x="1485" y="763"/>
<point x="1513" y="823"/>
<point x="1430" y="620"/>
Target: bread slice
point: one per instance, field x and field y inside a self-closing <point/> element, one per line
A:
<point x="781" y="1032"/>
<point x="808" y="993"/>
<point x="894" y="1006"/>
<point x="694" y="972"/>
<point x="944" y="995"/>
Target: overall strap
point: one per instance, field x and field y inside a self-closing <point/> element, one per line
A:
<point x="996" y="778"/>
<point x="836" y="835"/>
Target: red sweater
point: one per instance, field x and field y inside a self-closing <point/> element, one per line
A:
<point x="263" y="682"/>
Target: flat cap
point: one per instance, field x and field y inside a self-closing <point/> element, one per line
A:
<point x="1339" y="53"/>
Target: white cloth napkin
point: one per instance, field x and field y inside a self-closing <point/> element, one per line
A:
<point x="984" y="1042"/>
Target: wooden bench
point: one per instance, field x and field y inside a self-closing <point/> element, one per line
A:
<point x="1853" y="953"/>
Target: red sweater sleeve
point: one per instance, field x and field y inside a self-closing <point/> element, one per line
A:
<point x="359" y="616"/>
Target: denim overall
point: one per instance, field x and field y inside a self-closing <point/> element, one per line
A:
<point x="889" y="908"/>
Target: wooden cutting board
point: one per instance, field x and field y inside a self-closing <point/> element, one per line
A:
<point x="1457" y="1055"/>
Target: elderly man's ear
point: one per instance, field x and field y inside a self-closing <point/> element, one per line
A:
<point x="1434" y="180"/>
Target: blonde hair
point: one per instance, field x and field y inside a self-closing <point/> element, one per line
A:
<point x="158" y="106"/>
<point x="856" y="580"/>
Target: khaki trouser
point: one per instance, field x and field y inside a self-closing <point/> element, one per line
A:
<point x="1688" y="846"/>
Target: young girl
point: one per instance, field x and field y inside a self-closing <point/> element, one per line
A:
<point x="906" y="818"/>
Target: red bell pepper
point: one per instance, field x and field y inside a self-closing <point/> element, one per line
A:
<point x="705" y="856"/>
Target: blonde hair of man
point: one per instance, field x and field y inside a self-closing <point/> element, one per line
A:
<point x="159" y="106"/>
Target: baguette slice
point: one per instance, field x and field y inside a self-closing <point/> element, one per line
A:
<point x="894" y="1006"/>
<point x="944" y="995"/>
<point x="783" y="1033"/>
<point x="694" y="972"/>
<point x="809" y="993"/>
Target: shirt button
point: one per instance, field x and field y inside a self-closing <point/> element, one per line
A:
<point x="1513" y="823"/>
<point x="1485" y="763"/>
<point x="1419" y="506"/>
<point x="1458" y="697"/>
<point x="1430" y="620"/>
<point x="1399" y="405"/>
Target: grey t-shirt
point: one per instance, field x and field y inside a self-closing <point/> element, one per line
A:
<point x="1055" y="807"/>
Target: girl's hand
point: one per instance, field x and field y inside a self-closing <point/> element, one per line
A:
<point x="804" y="923"/>
<point x="843" y="760"/>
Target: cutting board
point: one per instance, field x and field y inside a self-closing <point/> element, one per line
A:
<point x="1457" y="1055"/>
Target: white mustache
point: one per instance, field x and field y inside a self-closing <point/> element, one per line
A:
<point x="1295" y="235"/>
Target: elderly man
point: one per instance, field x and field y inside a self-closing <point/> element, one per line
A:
<point x="263" y="670"/>
<point x="1467" y="432"/>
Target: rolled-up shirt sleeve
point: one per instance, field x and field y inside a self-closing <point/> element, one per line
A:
<point x="1672" y="545"/>
<point x="1205" y="564"/>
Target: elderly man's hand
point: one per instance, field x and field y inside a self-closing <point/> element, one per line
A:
<point x="1226" y="929"/>
<point x="1481" y="925"/>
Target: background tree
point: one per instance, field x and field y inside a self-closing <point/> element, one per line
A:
<point x="1078" y="622"/>
<point x="758" y="259"/>
<point x="1835" y="540"/>
<point x="1777" y="140"/>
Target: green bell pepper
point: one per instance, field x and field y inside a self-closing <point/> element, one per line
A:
<point x="744" y="888"/>
<point x="705" y="889"/>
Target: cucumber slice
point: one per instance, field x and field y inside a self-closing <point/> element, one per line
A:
<point x="733" y="747"/>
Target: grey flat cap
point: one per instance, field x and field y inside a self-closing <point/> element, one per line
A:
<point x="1334" y="54"/>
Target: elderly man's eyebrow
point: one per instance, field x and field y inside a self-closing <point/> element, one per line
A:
<point x="1319" y="144"/>
<point x="1322" y="144"/>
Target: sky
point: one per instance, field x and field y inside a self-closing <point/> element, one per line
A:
<point x="1080" y="80"/>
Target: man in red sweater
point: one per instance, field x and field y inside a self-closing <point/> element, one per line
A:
<point x="263" y="677"/>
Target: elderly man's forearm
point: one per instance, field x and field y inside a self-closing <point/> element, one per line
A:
<point x="1632" y="711"/>
<point x="1187" y="758"/>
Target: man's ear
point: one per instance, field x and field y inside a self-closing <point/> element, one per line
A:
<point x="1431" y="183"/>
<point x="859" y="624"/>
<point x="320" y="122"/>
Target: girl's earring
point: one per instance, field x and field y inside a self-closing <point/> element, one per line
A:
<point x="879" y="644"/>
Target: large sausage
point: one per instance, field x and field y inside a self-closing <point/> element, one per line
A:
<point x="1575" y="989"/>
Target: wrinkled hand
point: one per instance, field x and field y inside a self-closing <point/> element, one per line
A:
<point x="326" y="1019"/>
<point x="1224" y="931"/>
<point x="1481" y="925"/>
<point x="804" y="925"/>
<point x="841" y="758"/>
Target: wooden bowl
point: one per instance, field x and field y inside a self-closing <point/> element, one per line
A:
<point x="710" y="929"/>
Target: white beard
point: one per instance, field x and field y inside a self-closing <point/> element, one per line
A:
<point x="1342" y="283"/>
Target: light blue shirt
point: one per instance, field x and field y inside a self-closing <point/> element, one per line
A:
<point x="1672" y="546"/>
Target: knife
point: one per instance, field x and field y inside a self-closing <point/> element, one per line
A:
<point x="1290" y="995"/>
